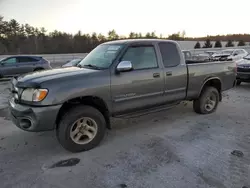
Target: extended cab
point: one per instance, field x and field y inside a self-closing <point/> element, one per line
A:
<point x="117" y="79"/>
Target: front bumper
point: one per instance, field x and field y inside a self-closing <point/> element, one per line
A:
<point x="33" y="119"/>
<point x="243" y="76"/>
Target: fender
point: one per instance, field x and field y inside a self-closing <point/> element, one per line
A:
<point x="209" y="79"/>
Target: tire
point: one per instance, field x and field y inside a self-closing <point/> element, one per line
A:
<point x="238" y="82"/>
<point x="38" y="69"/>
<point x="66" y="125"/>
<point x="200" y="105"/>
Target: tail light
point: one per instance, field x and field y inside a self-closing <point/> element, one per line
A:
<point x="46" y="61"/>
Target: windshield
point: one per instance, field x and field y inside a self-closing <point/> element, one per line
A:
<point x="227" y="51"/>
<point x="247" y="57"/>
<point x="101" y="57"/>
<point x="2" y="59"/>
<point x="218" y="52"/>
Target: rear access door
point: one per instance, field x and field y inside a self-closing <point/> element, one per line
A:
<point x="175" y="71"/>
<point x="27" y="64"/>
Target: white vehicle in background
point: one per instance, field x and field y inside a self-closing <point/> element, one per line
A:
<point x="205" y="56"/>
<point x="72" y="63"/>
<point x="230" y="55"/>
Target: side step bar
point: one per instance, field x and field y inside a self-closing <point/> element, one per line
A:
<point x="147" y="111"/>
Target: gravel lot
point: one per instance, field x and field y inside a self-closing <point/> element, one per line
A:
<point x="174" y="148"/>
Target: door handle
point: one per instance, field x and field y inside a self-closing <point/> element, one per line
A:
<point x="169" y="73"/>
<point x="156" y="75"/>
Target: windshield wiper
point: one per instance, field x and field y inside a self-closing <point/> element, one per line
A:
<point x="91" y="66"/>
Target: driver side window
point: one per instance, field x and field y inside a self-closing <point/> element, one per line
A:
<point x="141" y="57"/>
<point x="12" y="60"/>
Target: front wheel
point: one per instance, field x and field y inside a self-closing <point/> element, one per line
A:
<point x="207" y="102"/>
<point x="81" y="128"/>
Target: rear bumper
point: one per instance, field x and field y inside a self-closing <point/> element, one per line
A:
<point x="33" y="119"/>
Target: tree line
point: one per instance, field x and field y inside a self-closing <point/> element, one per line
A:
<point x="218" y="44"/>
<point x="16" y="38"/>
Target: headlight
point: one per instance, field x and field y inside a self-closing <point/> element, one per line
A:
<point x="35" y="95"/>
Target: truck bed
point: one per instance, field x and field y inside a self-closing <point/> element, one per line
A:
<point x="199" y="72"/>
<point x="188" y="62"/>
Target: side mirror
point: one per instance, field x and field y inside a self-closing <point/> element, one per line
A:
<point x="124" y="66"/>
<point x="235" y="54"/>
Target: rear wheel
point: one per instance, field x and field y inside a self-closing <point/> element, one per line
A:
<point x="81" y="128"/>
<point x="38" y="69"/>
<point x="238" y="82"/>
<point x="207" y="102"/>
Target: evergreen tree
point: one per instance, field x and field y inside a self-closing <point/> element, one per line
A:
<point x="197" y="45"/>
<point x="207" y="44"/>
<point x="217" y="44"/>
<point x="241" y="43"/>
<point x="230" y="43"/>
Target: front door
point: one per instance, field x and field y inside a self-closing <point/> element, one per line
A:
<point x="9" y="67"/>
<point x="141" y="87"/>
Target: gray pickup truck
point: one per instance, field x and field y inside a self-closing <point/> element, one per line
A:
<point x="124" y="78"/>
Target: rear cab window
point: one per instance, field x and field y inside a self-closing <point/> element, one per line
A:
<point x="170" y="54"/>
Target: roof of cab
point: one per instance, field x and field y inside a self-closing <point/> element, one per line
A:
<point x="127" y="41"/>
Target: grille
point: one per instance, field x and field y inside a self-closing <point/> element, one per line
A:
<point x="241" y="69"/>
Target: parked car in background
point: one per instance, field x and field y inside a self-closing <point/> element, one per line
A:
<point x="243" y="70"/>
<point x="206" y="56"/>
<point x="230" y="54"/>
<point x="72" y="63"/>
<point x="123" y="78"/>
<point x="187" y="54"/>
<point x="16" y="65"/>
<point x="209" y="54"/>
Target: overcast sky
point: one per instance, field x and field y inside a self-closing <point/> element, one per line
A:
<point x="196" y="17"/>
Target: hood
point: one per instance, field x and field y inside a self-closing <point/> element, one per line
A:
<point x="34" y="79"/>
<point x="243" y="63"/>
<point x="221" y="55"/>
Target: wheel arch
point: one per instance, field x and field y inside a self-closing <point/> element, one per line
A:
<point x="38" y="68"/>
<point x="93" y="101"/>
<point x="212" y="82"/>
